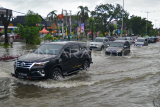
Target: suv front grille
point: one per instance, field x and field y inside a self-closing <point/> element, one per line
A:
<point x="22" y="64"/>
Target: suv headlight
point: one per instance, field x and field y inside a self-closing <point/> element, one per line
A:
<point x="120" y="50"/>
<point x="106" y="49"/>
<point x="40" y="63"/>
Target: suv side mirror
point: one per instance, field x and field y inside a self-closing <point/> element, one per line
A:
<point x="65" y="53"/>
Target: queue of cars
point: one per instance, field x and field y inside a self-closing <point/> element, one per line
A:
<point x="121" y="45"/>
<point x="55" y="60"/>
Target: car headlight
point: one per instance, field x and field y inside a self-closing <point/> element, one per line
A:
<point x="120" y="50"/>
<point x="40" y="63"/>
<point x="106" y="49"/>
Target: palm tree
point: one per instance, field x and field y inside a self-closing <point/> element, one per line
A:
<point x="83" y="14"/>
<point x="52" y="16"/>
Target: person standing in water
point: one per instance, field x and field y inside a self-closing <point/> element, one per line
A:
<point x="11" y="40"/>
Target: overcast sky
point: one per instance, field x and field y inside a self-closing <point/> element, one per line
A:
<point x="43" y="7"/>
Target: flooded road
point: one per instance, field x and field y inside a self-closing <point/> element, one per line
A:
<point x="130" y="81"/>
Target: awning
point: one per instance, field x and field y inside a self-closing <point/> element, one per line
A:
<point x="44" y="31"/>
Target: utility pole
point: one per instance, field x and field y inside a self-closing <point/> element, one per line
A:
<point x="122" y="20"/>
<point x="70" y="21"/>
<point x="62" y="26"/>
<point x="66" y="21"/>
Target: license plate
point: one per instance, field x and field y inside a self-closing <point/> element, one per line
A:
<point x="22" y="74"/>
<point x="20" y="77"/>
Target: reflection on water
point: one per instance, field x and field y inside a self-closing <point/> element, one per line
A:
<point x="110" y="82"/>
<point x="18" y="48"/>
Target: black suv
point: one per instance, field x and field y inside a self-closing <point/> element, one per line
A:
<point x="53" y="60"/>
<point x="119" y="47"/>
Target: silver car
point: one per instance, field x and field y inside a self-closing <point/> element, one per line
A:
<point x="99" y="43"/>
<point x="141" y="42"/>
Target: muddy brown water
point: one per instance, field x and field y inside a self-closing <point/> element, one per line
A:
<point x="130" y="81"/>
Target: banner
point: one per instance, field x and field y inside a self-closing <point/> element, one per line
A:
<point x="82" y="28"/>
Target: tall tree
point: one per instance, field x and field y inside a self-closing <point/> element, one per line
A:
<point x="52" y="16"/>
<point x="5" y="21"/>
<point x="83" y="14"/>
<point x="30" y="31"/>
<point x="107" y="12"/>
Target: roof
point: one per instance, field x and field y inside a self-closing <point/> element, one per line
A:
<point x="64" y="42"/>
<point x="122" y="41"/>
<point x="21" y="20"/>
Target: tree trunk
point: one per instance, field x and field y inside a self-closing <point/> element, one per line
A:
<point x="6" y="36"/>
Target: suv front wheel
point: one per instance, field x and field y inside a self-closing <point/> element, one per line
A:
<point x="56" y="74"/>
<point x="86" y="65"/>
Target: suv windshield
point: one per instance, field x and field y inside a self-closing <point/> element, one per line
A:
<point x="98" y="40"/>
<point x="140" y="40"/>
<point x="116" y="44"/>
<point x="52" y="49"/>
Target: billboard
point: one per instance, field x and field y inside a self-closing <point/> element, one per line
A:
<point x="82" y="28"/>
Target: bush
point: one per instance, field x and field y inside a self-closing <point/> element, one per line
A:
<point x="48" y="37"/>
<point x="37" y="41"/>
<point x="101" y="35"/>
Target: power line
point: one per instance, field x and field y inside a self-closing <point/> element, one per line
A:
<point x="12" y="10"/>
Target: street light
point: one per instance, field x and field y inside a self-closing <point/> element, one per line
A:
<point x="147" y="19"/>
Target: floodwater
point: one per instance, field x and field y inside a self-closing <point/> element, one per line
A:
<point x="130" y="81"/>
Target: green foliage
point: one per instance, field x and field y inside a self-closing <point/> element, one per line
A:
<point x="59" y="36"/>
<point x="32" y="18"/>
<point x="101" y="35"/>
<point x="29" y="32"/>
<point x="2" y="32"/>
<point x="48" y="37"/>
<point x="8" y="31"/>
<point x="5" y="45"/>
<point x="52" y="16"/>
<point x="91" y="22"/>
<point x="104" y="13"/>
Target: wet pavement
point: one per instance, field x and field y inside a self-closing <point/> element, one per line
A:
<point x="130" y="81"/>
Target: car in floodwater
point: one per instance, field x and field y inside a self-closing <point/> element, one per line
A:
<point x="141" y="42"/>
<point x="129" y="39"/>
<point x="53" y="60"/>
<point x="153" y="39"/>
<point x="99" y="43"/>
<point x="119" y="47"/>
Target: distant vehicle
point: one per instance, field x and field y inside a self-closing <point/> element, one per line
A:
<point x="120" y="47"/>
<point x="99" y="43"/>
<point x="53" y="60"/>
<point x="134" y="38"/>
<point x="111" y="38"/>
<point x="153" y="39"/>
<point x="141" y="42"/>
<point x="129" y="39"/>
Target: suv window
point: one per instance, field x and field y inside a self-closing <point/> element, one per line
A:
<point x="74" y="48"/>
